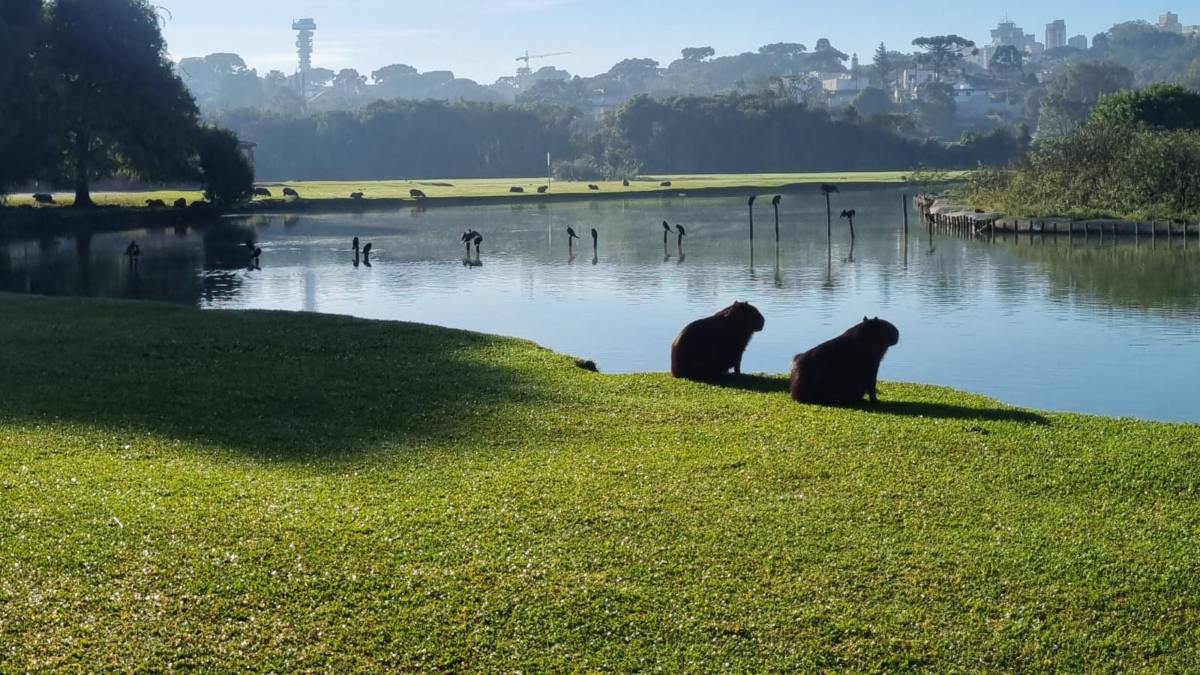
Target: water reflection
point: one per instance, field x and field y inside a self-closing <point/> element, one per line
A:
<point x="1035" y="320"/>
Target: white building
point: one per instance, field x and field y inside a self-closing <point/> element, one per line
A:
<point x="843" y="89"/>
<point x="1078" y="42"/>
<point x="1056" y="34"/>
<point x="1169" y="22"/>
<point x="972" y="103"/>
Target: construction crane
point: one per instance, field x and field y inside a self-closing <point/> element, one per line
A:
<point x="525" y="70"/>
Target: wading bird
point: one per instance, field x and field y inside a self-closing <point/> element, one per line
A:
<point x="134" y="253"/>
<point x="750" y="203"/>
<point x="595" y="240"/>
<point x="682" y="234"/>
<point x="775" y="203"/>
<point x="467" y="238"/>
<point x="477" y="239"/>
<point x="666" y="232"/>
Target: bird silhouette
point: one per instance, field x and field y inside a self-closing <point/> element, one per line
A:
<point x="133" y="250"/>
<point x="827" y="189"/>
<point x="367" y="250"/>
<point x="775" y="203"/>
<point x="477" y="240"/>
<point x="571" y="233"/>
<point x="682" y="234"/>
<point x="356" y="244"/>
<point x="750" y="203"/>
<point x="849" y="216"/>
<point x="255" y="255"/>
<point x="467" y="238"/>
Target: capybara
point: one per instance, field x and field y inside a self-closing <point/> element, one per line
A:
<point x="708" y="348"/>
<point x="289" y="192"/>
<point x="516" y="189"/>
<point x="542" y="189"/>
<point x="356" y="196"/>
<point x="156" y="204"/>
<point x="262" y="192"/>
<point x="593" y="186"/>
<point x="416" y="194"/>
<point x="43" y="198"/>
<point x="181" y="203"/>
<point x="665" y="183"/>
<point x="843" y="370"/>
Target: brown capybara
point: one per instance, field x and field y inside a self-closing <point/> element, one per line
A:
<point x="708" y="348"/>
<point x="843" y="370"/>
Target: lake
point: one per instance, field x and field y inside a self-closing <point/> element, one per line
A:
<point x="1091" y="326"/>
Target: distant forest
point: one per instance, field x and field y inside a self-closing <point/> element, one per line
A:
<point x="719" y="134"/>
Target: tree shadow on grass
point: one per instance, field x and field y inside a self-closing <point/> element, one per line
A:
<point x="271" y="384"/>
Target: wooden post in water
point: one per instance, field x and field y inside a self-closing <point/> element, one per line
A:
<point x="904" y="206"/>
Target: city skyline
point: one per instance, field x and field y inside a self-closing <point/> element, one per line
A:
<point x="481" y="40"/>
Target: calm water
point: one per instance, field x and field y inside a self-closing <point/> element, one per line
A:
<point x="1091" y="327"/>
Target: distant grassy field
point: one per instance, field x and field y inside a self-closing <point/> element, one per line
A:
<point x="498" y="187"/>
<point x="228" y="492"/>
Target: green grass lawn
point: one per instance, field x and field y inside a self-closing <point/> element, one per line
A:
<point x="278" y="492"/>
<point x="497" y="187"/>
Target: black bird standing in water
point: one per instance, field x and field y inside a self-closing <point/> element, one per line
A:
<point x="367" y="253"/>
<point x="134" y="253"/>
<point x="849" y="215"/>
<point x="571" y="237"/>
<point x="666" y="232"/>
<point x="595" y="240"/>
<point x="682" y="234"/>
<point x="477" y="240"/>
<point x="467" y="238"/>
<point x="750" y="203"/>
<point x="775" y="203"/>
<point x="254" y="258"/>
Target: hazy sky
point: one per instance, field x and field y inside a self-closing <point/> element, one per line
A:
<point x="480" y="39"/>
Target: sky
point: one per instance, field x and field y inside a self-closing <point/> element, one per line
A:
<point x="481" y="39"/>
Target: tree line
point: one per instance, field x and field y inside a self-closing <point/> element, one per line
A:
<point x="87" y="92"/>
<point x="1136" y="156"/>
<point x="719" y="134"/>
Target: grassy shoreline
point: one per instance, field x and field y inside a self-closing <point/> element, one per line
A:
<point x="438" y="190"/>
<point x="270" y="491"/>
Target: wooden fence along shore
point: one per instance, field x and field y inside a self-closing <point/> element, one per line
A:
<point x="941" y="215"/>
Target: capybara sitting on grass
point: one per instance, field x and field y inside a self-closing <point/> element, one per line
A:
<point x="708" y="348"/>
<point x="843" y="370"/>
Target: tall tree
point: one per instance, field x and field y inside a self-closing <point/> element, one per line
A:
<point x="23" y="150"/>
<point x="698" y="53"/>
<point x="942" y="52"/>
<point x="885" y="68"/>
<point x="117" y="100"/>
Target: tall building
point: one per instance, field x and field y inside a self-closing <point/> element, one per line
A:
<point x="1056" y="34"/>
<point x="1008" y="33"/>
<point x="1078" y="42"/>
<point x="304" y="48"/>
<point x="1169" y="22"/>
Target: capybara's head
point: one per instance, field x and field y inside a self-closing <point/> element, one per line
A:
<point x="878" y="332"/>
<point x="746" y="316"/>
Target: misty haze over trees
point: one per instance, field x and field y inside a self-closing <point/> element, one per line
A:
<point x="767" y="110"/>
